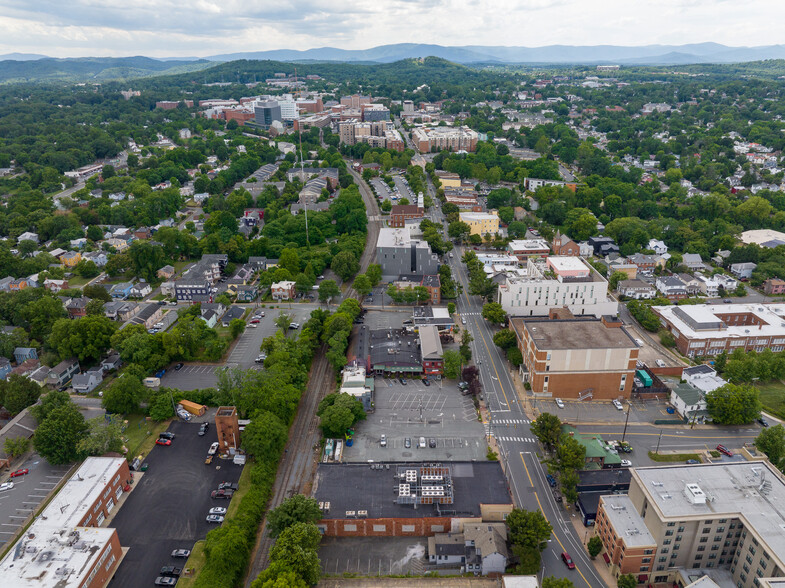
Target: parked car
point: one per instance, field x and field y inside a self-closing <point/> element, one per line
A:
<point x="170" y="571"/>
<point x="179" y="366"/>
<point x="222" y="494"/>
<point x="184" y="553"/>
<point x="618" y="405"/>
<point x="163" y="441"/>
<point x="639" y="342"/>
<point x="660" y="363"/>
<point x="203" y="429"/>
<point x="166" y="435"/>
<point x="463" y="321"/>
<point x="763" y="422"/>
<point x="215" y="519"/>
<point x="421" y="443"/>
<point x="18" y="473"/>
<point x="165" y="581"/>
<point x="551" y="480"/>
<point x="383" y="441"/>
<point x="407" y="443"/>
<point x="213" y="448"/>
<point x="6" y="486"/>
<point x="558" y="402"/>
<point x="724" y="450"/>
<point x="693" y="461"/>
<point x="567" y="560"/>
<point x="426" y="382"/>
<point x="626" y="463"/>
<point x="208" y="460"/>
<point x="254" y="321"/>
<point x="217" y="510"/>
<point x="403" y="381"/>
<point x="294" y="326"/>
<point x="228" y="486"/>
<point x="432" y="443"/>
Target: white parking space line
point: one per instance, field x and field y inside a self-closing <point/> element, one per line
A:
<point x="36" y="496"/>
<point x="16" y="517"/>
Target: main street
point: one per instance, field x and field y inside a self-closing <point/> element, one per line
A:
<point x="530" y="489"/>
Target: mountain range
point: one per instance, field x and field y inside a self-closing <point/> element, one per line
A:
<point x="551" y="54"/>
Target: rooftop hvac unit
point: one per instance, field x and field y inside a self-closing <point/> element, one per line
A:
<point x="411" y="475"/>
<point x="350" y="514"/>
<point x="404" y="490"/>
<point x="694" y="494"/>
<point x="363" y="514"/>
<point x="431" y="478"/>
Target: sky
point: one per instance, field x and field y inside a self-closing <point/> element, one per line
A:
<point x="185" y="28"/>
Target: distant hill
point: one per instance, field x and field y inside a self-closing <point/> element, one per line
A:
<point x="97" y="69"/>
<point x="22" y="56"/>
<point x="553" y="54"/>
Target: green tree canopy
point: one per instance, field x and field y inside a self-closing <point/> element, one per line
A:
<point x="124" y="395"/>
<point x="528" y="528"/>
<point x="337" y="412"/>
<point x="771" y="441"/>
<point x="57" y="437"/>
<point x="733" y="404"/>
<point x="296" y="509"/>
<point x="547" y="429"/>
<point x="18" y="392"/>
<point x="493" y="312"/>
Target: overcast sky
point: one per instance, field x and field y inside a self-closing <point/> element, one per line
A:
<point x="164" y="28"/>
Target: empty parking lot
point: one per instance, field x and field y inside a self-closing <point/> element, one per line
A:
<point x="167" y="509"/>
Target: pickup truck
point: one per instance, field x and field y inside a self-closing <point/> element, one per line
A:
<point x="170" y="571"/>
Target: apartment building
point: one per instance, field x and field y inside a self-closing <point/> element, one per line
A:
<point x="481" y="223"/>
<point x="570" y="357"/>
<point x="710" y="329"/>
<point x="532" y="184"/>
<point x="401" y="255"/>
<point x="380" y="133"/>
<point x="66" y="545"/>
<point x="556" y="282"/>
<point x="400" y="213"/>
<point x="428" y="139"/>
<point x="374" y="112"/>
<point x="724" y="516"/>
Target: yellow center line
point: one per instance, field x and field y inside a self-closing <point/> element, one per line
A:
<point x="493" y="363"/>
<point x="577" y="569"/>
<point x="523" y="461"/>
<point x="673" y="436"/>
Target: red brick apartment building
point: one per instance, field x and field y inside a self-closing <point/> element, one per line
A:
<point x="573" y="356"/>
<point x="400" y="213"/>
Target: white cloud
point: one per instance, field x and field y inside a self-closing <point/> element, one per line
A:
<point x="206" y="27"/>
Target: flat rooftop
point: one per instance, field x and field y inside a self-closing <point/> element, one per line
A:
<point x="574" y="334"/>
<point x="569" y="264"/>
<point x="389" y="237"/>
<point x="356" y="486"/>
<point x="626" y="520"/>
<point x="753" y="491"/>
<point x="528" y="244"/>
<point x="704" y="321"/>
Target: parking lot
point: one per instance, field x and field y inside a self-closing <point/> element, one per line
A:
<point x="437" y="412"/>
<point x="29" y="491"/>
<point x="168" y="507"/>
<point x="602" y="411"/>
<point x="372" y="556"/>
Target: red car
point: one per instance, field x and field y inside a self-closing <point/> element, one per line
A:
<point x="724" y="450"/>
<point x="567" y="560"/>
<point x="18" y="473"/>
<point x="254" y="321"/>
<point x="163" y="442"/>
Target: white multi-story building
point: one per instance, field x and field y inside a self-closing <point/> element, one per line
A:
<point x="553" y="283"/>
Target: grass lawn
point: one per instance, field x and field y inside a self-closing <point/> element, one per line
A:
<point x="141" y="434"/>
<point x="772" y="396"/>
<point x="673" y="457"/>
<point x="77" y="281"/>
<point x="243" y="486"/>
<point x="179" y="265"/>
<point x="195" y="563"/>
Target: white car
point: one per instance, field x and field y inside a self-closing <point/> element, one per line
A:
<point x="213" y="448"/>
<point x="558" y="402"/>
<point x="6" y="485"/>
<point x="660" y="363"/>
<point x="618" y="405"/>
<point x="217" y="510"/>
<point x="626" y="463"/>
<point x="639" y="342"/>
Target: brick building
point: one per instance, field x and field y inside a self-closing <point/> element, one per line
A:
<point x="563" y="245"/>
<point x="710" y="329"/>
<point x="356" y="501"/>
<point x="569" y="357"/>
<point x="227" y="428"/>
<point x="66" y="545"/>
<point x="400" y="213"/>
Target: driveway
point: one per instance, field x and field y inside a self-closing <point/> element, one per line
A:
<point x="167" y="509"/>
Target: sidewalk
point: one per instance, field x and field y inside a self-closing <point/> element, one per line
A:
<point x="585" y="533"/>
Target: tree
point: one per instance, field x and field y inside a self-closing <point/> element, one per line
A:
<point x="87" y="338"/>
<point x="452" y="364"/>
<point x="771" y="441"/>
<point x="338" y="412"/>
<point x="615" y="278"/>
<point x="345" y="264"/>
<point x="553" y="582"/>
<point x="733" y="404"/>
<point x="374" y="273"/>
<point x="362" y="285"/>
<point x="514" y="356"/>
<point x="505" y="339"/>
<point x="528" y="528"/>
<point x="16" y="446"/>
<point x="295" y="551"/>
<point x="95" y="308"/>
<point x="570" y="454"/>
<point x="529" y="560"/>
<point x="458" y="230"/>
<point x="57" y="437"/>
<point x="87" y="269"/>
<point x="124" y="395"/>
<point x="594" y="546"/>
<point x="97" y="292"/>
<point x="18" y="393"/>
<point x="493" y="312"/>
<point x="627" y="581"/>
<point x="52" y="400"/>
<point x="547" y="429"/>
<point x="451" y="307"/>
<point x="265" y="436"/>
<point x="297" y="509"/>
<point x="236" y="327"/>
<point x="464" y="349"/>
<point x="283" y="320"/>
<point x="103" y="436"/>
<point x="328" y="289"/>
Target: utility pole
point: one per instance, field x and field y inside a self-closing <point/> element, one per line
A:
<point x="626" y="420"/>
<point x="658" y="443"/>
